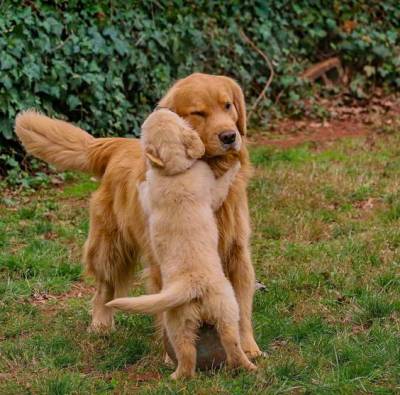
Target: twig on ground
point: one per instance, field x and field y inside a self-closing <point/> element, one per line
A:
<point x="270" y="66"/>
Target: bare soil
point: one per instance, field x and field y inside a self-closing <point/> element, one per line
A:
<point x="377" y="116"/>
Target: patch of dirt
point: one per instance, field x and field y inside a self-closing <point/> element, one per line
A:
<point x="6" y="376"/>
<point x="344" y="121"/>
<point x="326" y="131"/>
<point x="76" y="203"/>
<point x="278" y="345"/>
<point x="366" y="204"/>
<point x="78" y="290"/>
<point x="356" y="329"/>
<point x="143" y="377"/>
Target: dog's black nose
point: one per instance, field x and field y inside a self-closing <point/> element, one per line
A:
<point x="227" y="137"/>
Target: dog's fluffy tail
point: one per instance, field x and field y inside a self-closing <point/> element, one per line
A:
<point x="62" y="144"/>
<point x="56" y="142"/>
<point x="173" y="296"/>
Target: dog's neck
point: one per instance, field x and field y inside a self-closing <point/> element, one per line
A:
<point x="220" y="164"/>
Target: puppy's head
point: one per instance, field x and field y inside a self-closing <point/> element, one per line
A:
<point x="215" y="107"/>
<point x="169" y="143"/>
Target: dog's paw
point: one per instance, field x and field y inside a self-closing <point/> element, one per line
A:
<point x="255" y="353"/>
<point x="241" y="362"/>
<point x="181" y="375"/>
<point x="251" y="367"/>
<point x="251" y="349"/>
<point x="100" y="328"/>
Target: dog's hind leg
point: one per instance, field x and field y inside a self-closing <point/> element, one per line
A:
<point x="108" y="260"/>
<point x="181" y="330"/>
<point x="108" y="288"/>
<point x="102" y="316"/>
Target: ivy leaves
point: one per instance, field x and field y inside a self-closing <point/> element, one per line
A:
<point x="105" y="67"/>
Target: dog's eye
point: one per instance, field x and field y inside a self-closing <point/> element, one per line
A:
<point x="198" y="113"/>
<point x="228" y="106"/>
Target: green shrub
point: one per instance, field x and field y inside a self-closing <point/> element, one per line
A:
<point x="105" y="64"/>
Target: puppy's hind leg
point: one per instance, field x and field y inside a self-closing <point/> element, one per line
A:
<point x="230" y="339"/>
<point x="181" y="331"/>
<point x="228" y="330"/>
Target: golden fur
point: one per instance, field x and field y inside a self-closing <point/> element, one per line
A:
<point x="179" y="197"/>
<point x="118" y="234"/>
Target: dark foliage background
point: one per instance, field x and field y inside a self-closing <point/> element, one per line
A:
<point x="104" y="64"/>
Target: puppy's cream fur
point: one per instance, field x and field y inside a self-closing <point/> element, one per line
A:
<point x="179" y="197"/>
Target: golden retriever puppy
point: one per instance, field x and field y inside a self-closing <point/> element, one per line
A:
<point x="118" y="234"/>
<point x="179" y="196"/>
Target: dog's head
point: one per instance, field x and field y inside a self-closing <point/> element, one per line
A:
<point x="214" y="106"/>
<point x="169" y="142"/>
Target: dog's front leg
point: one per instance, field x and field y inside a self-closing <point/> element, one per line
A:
<point x="243" y="282"/>
<point x="242" y="277"/>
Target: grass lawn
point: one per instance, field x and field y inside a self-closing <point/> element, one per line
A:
<point x="326" y="243"/>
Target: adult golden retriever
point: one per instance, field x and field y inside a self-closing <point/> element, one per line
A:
<point x="118" y="235"/>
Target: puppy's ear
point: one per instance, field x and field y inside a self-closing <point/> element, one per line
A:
<point x="152" y="154"/>
<point x="240" y="105"/>
<point x="194" y="146"/>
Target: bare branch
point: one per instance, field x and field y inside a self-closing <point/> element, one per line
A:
<point x="270" y="67"/>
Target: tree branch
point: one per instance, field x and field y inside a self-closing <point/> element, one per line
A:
<point x="270" y="67"/>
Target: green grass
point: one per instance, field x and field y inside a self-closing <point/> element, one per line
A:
<point x="326" y="239"/>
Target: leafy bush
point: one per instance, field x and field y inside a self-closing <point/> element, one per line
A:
<point x="105" y="64"/>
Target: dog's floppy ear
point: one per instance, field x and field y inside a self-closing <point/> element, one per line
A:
<point x="168" y="100"/>
<point x="194" y="146"/>
<point x="152" y="154"/>
<point x="240" y="105"/>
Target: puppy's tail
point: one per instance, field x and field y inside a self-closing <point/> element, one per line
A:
<point x="62" y="144"/>
<point x="173" y="296"/>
